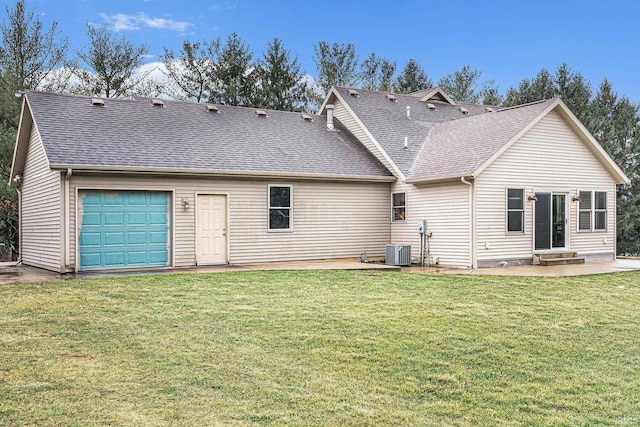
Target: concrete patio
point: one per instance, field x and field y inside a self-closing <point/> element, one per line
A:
<point x="12" y="273"/>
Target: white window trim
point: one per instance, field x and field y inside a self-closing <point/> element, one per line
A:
<point x="280" y="230"/>
<point x="403" y="206"/>
<point x="506" y="210"/>
<point x="592" y="213"/>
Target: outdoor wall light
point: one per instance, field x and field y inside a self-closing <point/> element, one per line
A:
<point x="575" y="197"/>
<point x="185" y="203"/>
<point x="532" y="197"/>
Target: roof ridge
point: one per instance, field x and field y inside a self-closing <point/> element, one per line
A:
<point x="170" y="100"/>
<point x="528" y="104"/>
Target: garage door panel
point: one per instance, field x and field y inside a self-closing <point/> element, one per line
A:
<point x="157" y="237"/>
<point x="111" y="239"/>
<point x="158" y="256"/>
<point x="120" y="229"/>
<point x="137" y="238"/>
<point x="137" y="257"/>
<point x="136" y="218"/>
<point x="90" y="239"/>
<point x="113" y="199"/>
<point x="137" y="199"/>
<point x="91" y="200"/>
<point x="92" y="218"/>
<point x="157" y="199"/>
<point x="90" y="260"/>
<point x="113" y="259"/>
<point x="113" y="218"/>
<point x="157" y="218"/>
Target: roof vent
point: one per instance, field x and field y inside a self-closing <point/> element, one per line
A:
<point x="391" y="97"/>
<point x="489" y="109"/>
<point x="307" y="118"/>
<point x="212" y="108"/>
<point x="329" y="109"/>
<point x="463" y="110"/>
<point x="261" y="113"/>
<point x="97" y="102"/>
<point x="157" y="102"/>
<point x="431" y="107"/>
<point x="353" y="92"/>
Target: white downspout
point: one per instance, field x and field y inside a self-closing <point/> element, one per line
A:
<point x="67" y="235"/>
<point x="472" y="220"/>
<point x="19" y="259"/>
<point x="615" y="222"/>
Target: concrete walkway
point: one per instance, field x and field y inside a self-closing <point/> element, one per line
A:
<point x="10" y="273"/>
<point x="592" y="267"/>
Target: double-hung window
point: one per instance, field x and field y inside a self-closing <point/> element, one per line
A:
<point x="592" y="211"/>
<point x="280" y="208"/>
<point x="515" y="210"/>
<point x="398" y="207"/>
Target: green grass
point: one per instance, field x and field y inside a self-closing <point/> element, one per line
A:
<point x="322" y="348"/>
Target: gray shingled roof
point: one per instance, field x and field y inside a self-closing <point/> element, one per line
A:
<point x="185" y="136"/>
<point x="388" y="123"/>
<point x="459" y="147"/>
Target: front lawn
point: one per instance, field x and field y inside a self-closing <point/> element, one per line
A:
<point x="321" y="348"/>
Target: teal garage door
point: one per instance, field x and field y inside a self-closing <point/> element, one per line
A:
<point x="123" y="229"/>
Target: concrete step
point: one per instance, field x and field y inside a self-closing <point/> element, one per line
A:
<point x="556" y="255"/>
<point x="561" y="261"/>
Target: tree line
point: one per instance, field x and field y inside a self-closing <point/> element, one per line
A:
<point x="227" y="72"/>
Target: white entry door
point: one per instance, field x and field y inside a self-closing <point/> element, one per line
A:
<point x="211" y="229"/>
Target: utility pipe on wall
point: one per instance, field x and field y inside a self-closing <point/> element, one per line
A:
<point x="67" y="235"/>
<point x="472" y="234"/>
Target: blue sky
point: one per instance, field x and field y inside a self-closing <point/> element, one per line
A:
<point x="506" y="40"/>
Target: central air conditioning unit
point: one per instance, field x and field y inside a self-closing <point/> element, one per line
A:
<point x="398" y="255"/>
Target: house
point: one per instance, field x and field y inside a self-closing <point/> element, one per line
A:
<point x="496" y="186"/>
<point x="115" y="183"/>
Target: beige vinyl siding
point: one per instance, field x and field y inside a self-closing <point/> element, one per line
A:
<point x="41" y="209"/>
<point x="341" y="113"/>
<point x="330" y="219"/>
<point x="446" y="209"/>
<point x="549" y="157"/>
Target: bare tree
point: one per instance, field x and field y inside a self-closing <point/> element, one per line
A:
<point x="112" y="61"/>
<point x="191" y="69"/>
<point x="29" y="52"/>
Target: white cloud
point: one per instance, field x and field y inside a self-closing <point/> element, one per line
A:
<point x="124" y="22"/>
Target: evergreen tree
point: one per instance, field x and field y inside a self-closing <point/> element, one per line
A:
<point x="490" y="94"/>
<point x="281" y="84"/>
<point x="412" y="78"/>
<point x="464" y="85"/>
<point x="541" y="87"/>
<point x="191" y="69"/>
<point x="336" y="64"/>
<point x="376" y="73"/>
<point x="370" y="72"/>
<point x="574" y="90"/>
<point x="387" y="70"/>
<point x="615" y="123"/>
<point x="113" y="61"/>
<point x="566" y="84"/>
<point x="233" y="80"/>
